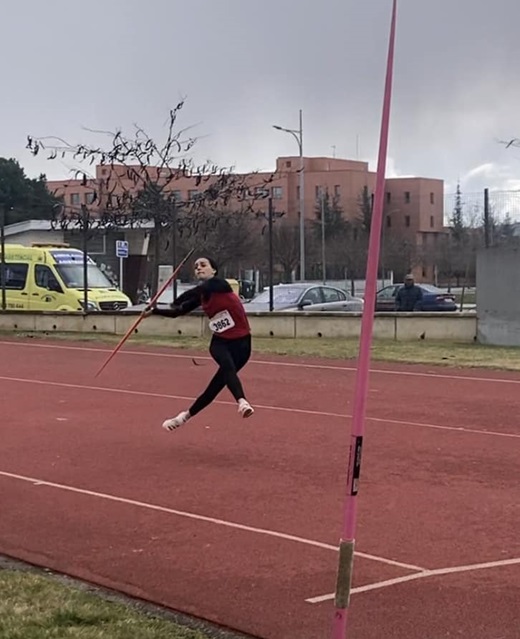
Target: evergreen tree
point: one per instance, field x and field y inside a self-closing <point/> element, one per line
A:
<point x="24" y="198"/>
<point x="365" y="211"/>
<point x="335" y="223"/>
<point x="458" y="228"/>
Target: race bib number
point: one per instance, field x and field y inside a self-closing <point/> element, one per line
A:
<point x="221" y="322"/>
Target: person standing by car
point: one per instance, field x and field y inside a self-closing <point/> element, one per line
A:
<point x="409" y="296"/>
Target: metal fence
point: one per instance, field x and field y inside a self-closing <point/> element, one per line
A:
<point x="504" y="206"/>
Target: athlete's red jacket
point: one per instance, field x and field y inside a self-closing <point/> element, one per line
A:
<point x="227" y="317"/>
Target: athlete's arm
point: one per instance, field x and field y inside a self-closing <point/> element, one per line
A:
<point x="184" y="304"/>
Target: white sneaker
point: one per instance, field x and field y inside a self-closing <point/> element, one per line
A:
<point x="175" y="422"/>
<point x="244" y="408"/>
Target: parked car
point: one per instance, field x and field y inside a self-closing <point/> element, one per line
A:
<point x="306" y="296"/>
<point x="434" y="299"/>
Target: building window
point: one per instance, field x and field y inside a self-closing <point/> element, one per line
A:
<point x="288" y="164"/>
<point x="388" y="221"/>
<point x="337" y="190"/>
<point x="424" y="272"/>
<point x="177" y="196"/>
<point x="15" y="276"/>
<point x="432" y="222"/>
<point x="432" y="198"/>
<point x="388" y="198"/>
<point x="261" y="192"/>
<point x="277" y="192"/>
<point x="297" y="192"/>
<point x="407" y="220"/>
<point x="407" y="197"/>
<point x="90" y="198"/>
<point x="45" y="278"/>
<point x="74" y="199"/>
<point x="114" y="201"/>
<point x="321" y="192"/>
<point x="192" y="195"/>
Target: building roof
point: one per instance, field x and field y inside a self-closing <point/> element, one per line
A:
<point x="45" y="225"/>
<point x="27" y="226"/>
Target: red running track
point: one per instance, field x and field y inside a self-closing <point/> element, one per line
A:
<point x="237" y="521"/>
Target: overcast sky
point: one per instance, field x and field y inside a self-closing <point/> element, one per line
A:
<point x="245" y="65"/>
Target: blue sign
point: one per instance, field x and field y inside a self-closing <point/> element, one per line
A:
<point x="121" y="248"/>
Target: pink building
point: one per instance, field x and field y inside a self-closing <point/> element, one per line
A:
<point x="414" y="207"/>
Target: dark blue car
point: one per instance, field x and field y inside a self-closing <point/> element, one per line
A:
<point x="434" y="299"/>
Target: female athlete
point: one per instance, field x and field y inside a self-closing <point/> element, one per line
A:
<point x="230" y="344"/>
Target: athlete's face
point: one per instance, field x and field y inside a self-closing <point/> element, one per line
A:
<point x="203" y="269"/>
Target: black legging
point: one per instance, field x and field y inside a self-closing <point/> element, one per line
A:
<point x="231" y="356"/>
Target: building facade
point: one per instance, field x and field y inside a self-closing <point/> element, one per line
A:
<point x="413" y="207"/>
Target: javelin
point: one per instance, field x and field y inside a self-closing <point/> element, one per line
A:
<point x="347" y="542"/>
<point x="141" y="317"/>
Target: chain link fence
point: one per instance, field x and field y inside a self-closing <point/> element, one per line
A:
<point x="504" y="207"/>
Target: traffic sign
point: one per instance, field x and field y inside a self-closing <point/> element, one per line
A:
<point x="121" y="248"/>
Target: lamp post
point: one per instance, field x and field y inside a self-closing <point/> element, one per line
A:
<point x="298" y="136"/>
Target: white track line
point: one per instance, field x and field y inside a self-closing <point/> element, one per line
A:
<point x="260" y="406"/>
<point x="420" y="575"/>
<point x="210" y="520"/>
<point x="258" y="362"/>
<point x="303" y="411"/>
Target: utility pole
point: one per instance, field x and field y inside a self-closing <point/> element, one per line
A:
<point x="85" y="229"/>
<point x="2" y="250"/>
<point x="323" y="250"/>
<point x="271" y="265"/>
<point x="487" y="239"/>
<point x="174" y="249"/>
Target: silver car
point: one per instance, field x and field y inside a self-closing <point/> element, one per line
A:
<point x="307" y="297"/>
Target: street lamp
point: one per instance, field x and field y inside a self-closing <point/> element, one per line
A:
<point x="298" y="136"/>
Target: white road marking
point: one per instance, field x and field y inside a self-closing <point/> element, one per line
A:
<point x="204" y="518"/>
<point x="259" y="362"/>
<point x="284" y="409"/>
<point x="420" y="575"/>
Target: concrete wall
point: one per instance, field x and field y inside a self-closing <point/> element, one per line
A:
<point x="498" y="296"/>
<point x="399" y="326"/>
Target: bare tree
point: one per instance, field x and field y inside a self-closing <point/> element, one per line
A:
<point x="286" y="247"/>
<point x="401" y="255"/>
<point x="138" y="185"/>
<point x="234" y="239"/>
<point x="513" y="142"/>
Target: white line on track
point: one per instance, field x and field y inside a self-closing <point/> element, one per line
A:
<point x="420" y="575"/>
<point x="383" y="420"/>
<point x="211" y="520"/>
<point x="258" y="362"/>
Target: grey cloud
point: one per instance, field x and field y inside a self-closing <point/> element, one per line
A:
<point x="245" y="66"/>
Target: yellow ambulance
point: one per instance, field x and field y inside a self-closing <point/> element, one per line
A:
<point x="49" y="277"/>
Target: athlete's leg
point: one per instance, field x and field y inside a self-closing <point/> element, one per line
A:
<point x="240" y="352"/>
<point x="231" y="356"/>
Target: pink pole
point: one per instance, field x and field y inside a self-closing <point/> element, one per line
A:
<point x="347" y="542"/>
